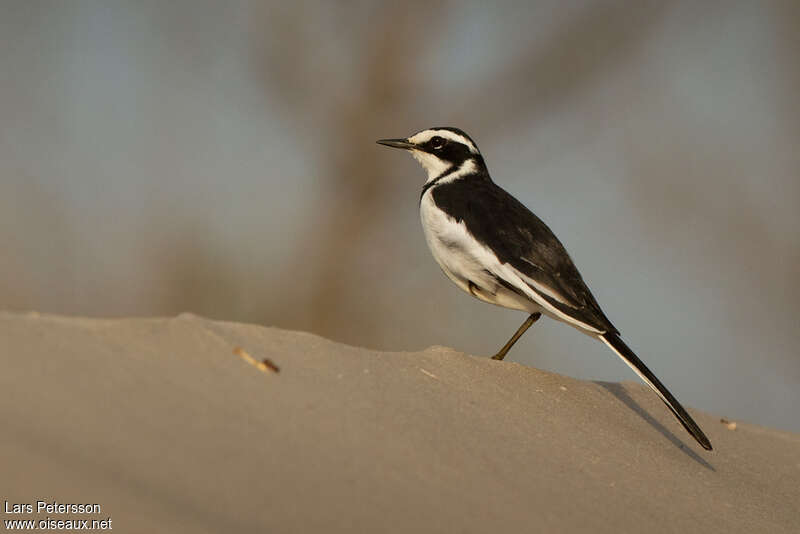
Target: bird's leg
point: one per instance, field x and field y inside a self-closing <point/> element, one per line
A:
<point x="521" y="330"/>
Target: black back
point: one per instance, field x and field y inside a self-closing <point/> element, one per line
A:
<point x="521" y="239"/>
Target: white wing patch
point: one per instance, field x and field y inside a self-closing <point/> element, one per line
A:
<point x="516" y="279"/>
<point x="541" y="288"/>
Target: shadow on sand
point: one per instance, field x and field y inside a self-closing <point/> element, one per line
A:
<point x="619" y="392"/>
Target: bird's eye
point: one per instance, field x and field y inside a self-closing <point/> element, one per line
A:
<point x="437" y="142"/>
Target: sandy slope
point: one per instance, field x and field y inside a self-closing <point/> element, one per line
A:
<point x="159" y="422"/>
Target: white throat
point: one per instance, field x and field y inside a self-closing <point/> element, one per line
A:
<point x="432" y="165"/>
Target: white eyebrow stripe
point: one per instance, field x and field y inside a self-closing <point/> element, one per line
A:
<point x="425" y="135"/>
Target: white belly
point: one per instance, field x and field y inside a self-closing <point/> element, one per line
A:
<point x="464" y="260"/>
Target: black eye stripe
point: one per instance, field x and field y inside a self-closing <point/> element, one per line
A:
<point x="437" y="142"/>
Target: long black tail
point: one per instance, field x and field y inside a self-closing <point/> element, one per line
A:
<point x="628" y="356"/>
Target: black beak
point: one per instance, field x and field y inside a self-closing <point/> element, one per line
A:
<point x="397" y="143"/>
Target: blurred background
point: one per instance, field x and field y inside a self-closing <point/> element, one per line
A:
<point x="220" y="158"/>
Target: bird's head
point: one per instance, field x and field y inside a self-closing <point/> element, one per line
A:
<point x="440" y="150"/>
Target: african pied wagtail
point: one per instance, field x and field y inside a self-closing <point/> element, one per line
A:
<point x="495" y="249"/>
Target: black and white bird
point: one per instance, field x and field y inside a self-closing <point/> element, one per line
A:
<point x="491" y="246"/>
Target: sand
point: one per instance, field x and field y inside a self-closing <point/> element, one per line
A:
<point x="176" y="425"/>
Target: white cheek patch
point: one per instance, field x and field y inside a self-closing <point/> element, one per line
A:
<point x="468" y="167"/>
<point x="443" y="170"/>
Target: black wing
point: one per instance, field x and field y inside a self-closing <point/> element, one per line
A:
<point x="521" y="239"/>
